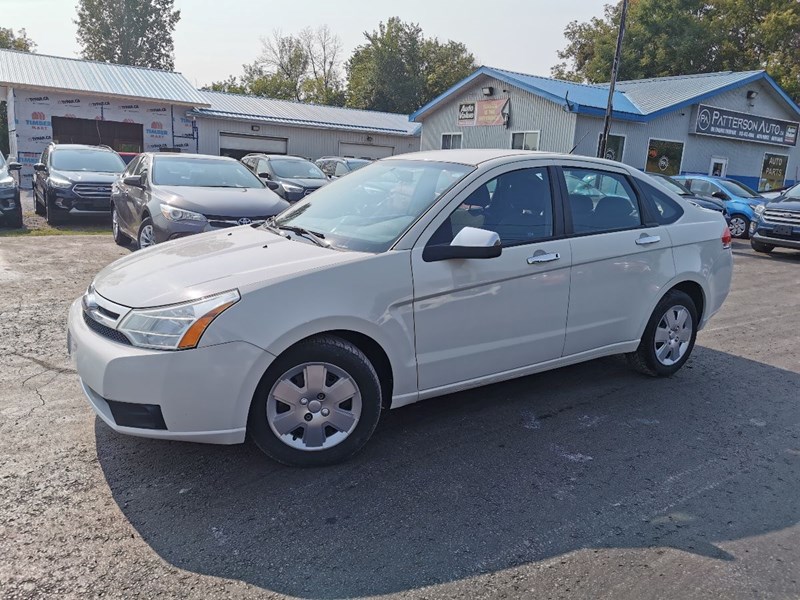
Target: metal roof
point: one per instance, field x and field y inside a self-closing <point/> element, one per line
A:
<point x="640" y="100"/>
<point x="255" y="108"/>
<point x="70" y="75"/>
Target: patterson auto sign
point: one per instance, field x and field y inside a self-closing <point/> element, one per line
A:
<point x="722" y="122"/>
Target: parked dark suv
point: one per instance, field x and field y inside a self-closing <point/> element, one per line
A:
<point x="291" y="177"/>
<point x="777" y="224"/>
<point x="10" y="207"/>
<point x="74" y="177"/>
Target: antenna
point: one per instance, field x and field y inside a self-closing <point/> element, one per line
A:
<point x="579" y="143"/>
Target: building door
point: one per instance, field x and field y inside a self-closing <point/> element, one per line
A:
<point x="238" y="145"/>
<point x="718" y="167"/>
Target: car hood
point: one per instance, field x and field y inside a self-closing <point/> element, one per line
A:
<point x="787" y="205"/>
<point x="306" y="183"/>
<point x="210" y="263"/>
<point x="86" y="176"/>
<point x="227" y="202"/>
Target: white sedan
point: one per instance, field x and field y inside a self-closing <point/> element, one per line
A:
<point x="414" y="277"/>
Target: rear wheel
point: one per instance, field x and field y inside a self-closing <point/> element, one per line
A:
<point x="759" y="247"/>
<point x="147" y="234"/>
<point x="317" y="404"/>
<point x="669" y="337"/>
<point x="38" y="208"/>
<point x="740" y="226"/>
<point x="120" y="238"/>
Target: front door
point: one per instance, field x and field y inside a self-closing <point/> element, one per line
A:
<point x="479" y="317"/>
<point x="718" y="167"/>
<point x="619" y="264"/>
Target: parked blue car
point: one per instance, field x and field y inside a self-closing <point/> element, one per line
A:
<point x="740" y="200"/>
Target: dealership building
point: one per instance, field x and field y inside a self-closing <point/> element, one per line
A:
<point x="740" y="125"/>
<point x="132" y="109"/>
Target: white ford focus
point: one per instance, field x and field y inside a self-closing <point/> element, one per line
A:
<point x="413" y="277"/>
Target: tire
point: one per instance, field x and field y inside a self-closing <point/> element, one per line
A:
<point x="38" y="208"/>
<point x="290" y="441"/>
<point x="54" y="215"/>
<point x="740" y="226"/>
<point x="120" y="238"/>
<point x="145" y="239"/>
<point x="650" y="359"/>
<point x="15" y="222"/>
<point x="759" y="247"/>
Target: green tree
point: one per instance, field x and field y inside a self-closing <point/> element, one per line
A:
<point x="399" y="70"/>
<point x="129" y="32"/>
<point x="676" y="37"/>
<point x="11" y="41"/>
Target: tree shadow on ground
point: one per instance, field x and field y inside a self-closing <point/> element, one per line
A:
<point x="590" y="456"/>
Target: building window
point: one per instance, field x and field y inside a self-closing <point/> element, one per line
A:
<point x="664" y="156"/>
<point x="525" y="140"/>
<point x="451" y="141"/>
<point x="773" y="172"/>
<point x="615" y="148"/>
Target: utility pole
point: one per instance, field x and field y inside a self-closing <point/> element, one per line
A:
<point x="601" y="152"/>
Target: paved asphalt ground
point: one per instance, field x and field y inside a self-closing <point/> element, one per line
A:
<point x="586" y="482"/>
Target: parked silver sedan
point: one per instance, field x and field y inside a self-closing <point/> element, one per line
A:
<point x="163" y="196"/>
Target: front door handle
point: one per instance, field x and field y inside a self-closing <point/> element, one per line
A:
<point x="544" y="257"/>
<point x="648" y="239"/>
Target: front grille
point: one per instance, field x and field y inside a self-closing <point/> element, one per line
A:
<point x="106" y="332"/>
<point x="781" y="216"/>
<point x="222" y="221"/>
<point x="92" y="191"/>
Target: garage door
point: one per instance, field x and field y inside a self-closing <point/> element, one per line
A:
<point x="364" y="150"/>
<point x="236" y="146"/>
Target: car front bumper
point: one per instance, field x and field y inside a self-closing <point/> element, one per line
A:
<point x="202" y="395"/>
<point x="9" y="202"/>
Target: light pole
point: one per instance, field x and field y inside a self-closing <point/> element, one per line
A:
<point x="601" y="152"/>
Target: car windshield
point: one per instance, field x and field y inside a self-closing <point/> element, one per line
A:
<point x="203" y="172"/>
<point x="98" y="161"/>
<point x="793" y="193"/>
<point x="673" y="186"/>
<point x="369" y="210"/>
<point x="296" y="169"/>
<point x="357" y="163"/>
<point x="738" y="189"/>
<point x="2" y="161"/>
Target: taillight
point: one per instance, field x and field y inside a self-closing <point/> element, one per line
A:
<point x="727" y="238"/>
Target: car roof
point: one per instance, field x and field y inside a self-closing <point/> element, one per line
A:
<point x="189" y="156"/>
<point x="477" y="156"/>
<point x="280" y="156"/>
<point x="80" y="147"/>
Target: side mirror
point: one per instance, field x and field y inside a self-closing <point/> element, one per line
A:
<point x="14" y="166"/>
<point x="265" y="175"/>
<point x="39" y="167"/>
<point x="721" y="195"/>
<point x="133" y="180"/>
<point x="470" y="242"/>
<point x="273" y="185"/>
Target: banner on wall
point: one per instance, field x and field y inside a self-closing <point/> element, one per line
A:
<point x="483" y="113"/>
<point x="721" y="122"/>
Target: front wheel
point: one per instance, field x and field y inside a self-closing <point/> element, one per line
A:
<point x="669" y="337"/>
<point x="759" y="247"/>
<point x="317" y="404"/>
<point x="740" y="226"/>
<point x="120" y="238"/>
<point x="15" y="222"/>
<point x="37" y="206"/>
<point x="147" y="234"/>
<point x="54" y="215"/>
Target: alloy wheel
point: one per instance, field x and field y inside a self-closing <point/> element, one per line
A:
<point x="738" y="226"/>
<point x="673" y="335"/>
<point x="147" y="237"/>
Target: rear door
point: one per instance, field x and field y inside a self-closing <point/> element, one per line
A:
<point x="621" y="258"/>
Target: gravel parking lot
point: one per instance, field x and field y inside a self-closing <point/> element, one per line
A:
<point x="586" y="482"/>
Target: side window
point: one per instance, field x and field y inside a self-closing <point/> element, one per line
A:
<point x="45" y="156"/>
<point x="133" y="167"/>
<point x="601" y="201"/>
<point x="517" y="205"/>
<point x="326" y="166"/>
<point x="661" y="207"/>
<point x="340" y="170"/>
<point x="702" y="187"/>
<point x="144" y="168"/>
<point x="525" y="140"/>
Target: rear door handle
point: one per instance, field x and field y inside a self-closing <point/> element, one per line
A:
<point x="648" y="239"/>
<point x="543" y="258"/>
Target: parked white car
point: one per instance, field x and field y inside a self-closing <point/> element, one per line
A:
<point x="414" y="277"/>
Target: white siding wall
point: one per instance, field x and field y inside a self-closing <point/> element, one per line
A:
<point x="307" y="142"/>
<point x="528" y="113"/>
<point x="744" y="158"/>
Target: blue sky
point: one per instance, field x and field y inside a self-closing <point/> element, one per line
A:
<point x="215" y="37"/>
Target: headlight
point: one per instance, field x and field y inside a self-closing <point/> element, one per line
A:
<point x="7" y="182"/>
<point x="760" y="209"/>
<point x="177" y="327"/>
<point x="178" y="214"/>
<point x="57" y="182"/>
<point x="292" y="188"/>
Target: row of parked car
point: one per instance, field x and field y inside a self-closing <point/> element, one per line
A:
<point x="156" y="197"/>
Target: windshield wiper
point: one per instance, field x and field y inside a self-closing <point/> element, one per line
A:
<point x="317" y="238"/>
